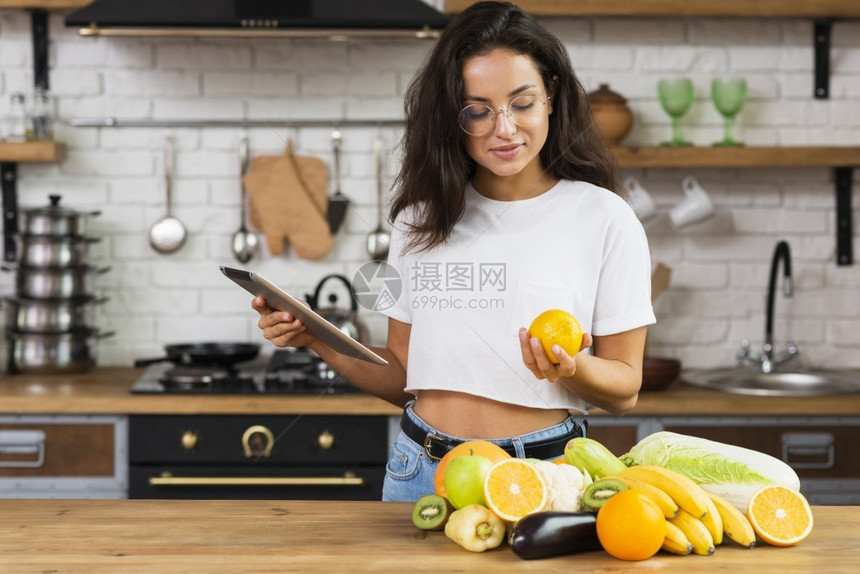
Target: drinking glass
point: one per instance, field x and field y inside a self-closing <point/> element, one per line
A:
<point x="729" y="96"/>
<point x="676" y="97"/>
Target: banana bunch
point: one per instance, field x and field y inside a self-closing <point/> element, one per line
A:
<point x="696" y="520"/>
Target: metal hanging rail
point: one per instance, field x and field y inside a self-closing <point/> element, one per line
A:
<point x="111" y="122"/>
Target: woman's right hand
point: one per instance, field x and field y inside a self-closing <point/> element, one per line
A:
<point x="280" y="327"/>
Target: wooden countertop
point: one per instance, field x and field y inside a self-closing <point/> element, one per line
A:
<point x="95" y="536"/>
<point x="106" y="391"/>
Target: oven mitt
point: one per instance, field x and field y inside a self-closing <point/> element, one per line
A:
<point x="314" y="173"/>
<point x="284" y="206"/>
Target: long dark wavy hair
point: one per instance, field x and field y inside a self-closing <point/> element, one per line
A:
<point x="436" y="168"/>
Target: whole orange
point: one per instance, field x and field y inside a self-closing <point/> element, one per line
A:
<point x="557" y="327"/>
<point x="630" y="526"/>
<point x="477" y="447"/>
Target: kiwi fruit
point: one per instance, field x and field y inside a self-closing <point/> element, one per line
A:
<point x="431" y="512"/>
<point x="599" y="491"/>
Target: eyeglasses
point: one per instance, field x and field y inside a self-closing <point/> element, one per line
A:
<point x="480" y="119"/>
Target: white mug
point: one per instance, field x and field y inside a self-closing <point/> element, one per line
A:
<point x="695" y="207"/>
<point x="639" y="199"/>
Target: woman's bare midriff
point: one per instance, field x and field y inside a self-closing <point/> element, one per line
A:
<point x="464" y="415"/>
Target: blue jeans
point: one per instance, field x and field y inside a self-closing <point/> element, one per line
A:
<point x="410" y="472"/>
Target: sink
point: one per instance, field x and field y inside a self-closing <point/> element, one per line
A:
<point x="746" y="381"/>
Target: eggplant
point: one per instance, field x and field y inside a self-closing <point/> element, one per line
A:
<point x="554" y="533"/>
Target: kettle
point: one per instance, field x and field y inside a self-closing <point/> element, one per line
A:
<point x="346" y="321"/>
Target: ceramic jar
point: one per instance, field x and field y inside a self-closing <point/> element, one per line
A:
<point x="612" y="113"/>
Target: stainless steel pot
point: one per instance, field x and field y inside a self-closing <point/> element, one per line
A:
<point x="53" y="220"/>
<point x="53" y="251"/>
<point x="56" y="282"/>
<point x="51" y="316"/>
<point x="53" y="353"/>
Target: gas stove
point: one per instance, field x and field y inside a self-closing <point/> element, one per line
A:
<point x="286" y="371"/>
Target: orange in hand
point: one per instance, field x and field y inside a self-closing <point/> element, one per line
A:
<point x="557" y="327"/>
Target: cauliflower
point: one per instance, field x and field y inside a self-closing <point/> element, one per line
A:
<point x="565" y="483"/>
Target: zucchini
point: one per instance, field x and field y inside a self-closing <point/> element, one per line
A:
<point x="590" y="456"/>
<point x="554" y="533"/>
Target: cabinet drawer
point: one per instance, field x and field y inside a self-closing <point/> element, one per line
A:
<point x="814" y="451"/>
<point x="63" y="456"/>
<point x="55" y="450"/>
<point x="618" y="438"/>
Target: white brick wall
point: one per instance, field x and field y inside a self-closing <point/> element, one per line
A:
<point x="717" y="295"/>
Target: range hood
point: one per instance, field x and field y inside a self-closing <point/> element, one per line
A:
<point x="331" y="19"/>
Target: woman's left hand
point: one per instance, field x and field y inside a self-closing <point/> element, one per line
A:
<point x="538" y="362"/>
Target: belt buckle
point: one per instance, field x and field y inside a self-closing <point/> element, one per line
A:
<point x="427" y="445"/>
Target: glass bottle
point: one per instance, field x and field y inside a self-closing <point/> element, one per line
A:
<point x="16" y="119"/>
<point x="41" y="120"/>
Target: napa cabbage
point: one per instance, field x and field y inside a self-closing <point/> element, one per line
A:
<point x="732" y="472"/>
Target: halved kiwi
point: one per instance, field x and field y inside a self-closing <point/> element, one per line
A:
<point x="431" y="512"/>
<point x="599" y="491"/>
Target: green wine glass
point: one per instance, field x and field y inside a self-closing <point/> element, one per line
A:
<point x="676" y="97"/>
<point x="729" y="96"/>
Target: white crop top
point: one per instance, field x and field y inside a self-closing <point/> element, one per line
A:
<point x="576" y="247"/>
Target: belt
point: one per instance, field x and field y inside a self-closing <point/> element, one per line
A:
<point x="436" y="446"/>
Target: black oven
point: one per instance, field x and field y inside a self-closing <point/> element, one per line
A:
<point x="338" y="457"/>
<point x="257" y="457"/>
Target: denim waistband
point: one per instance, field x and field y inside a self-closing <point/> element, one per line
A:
<point x="518" y="442"/>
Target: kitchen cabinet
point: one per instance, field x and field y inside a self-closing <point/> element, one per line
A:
<point x="618" y="435"/>
<point x="63" y="457"/>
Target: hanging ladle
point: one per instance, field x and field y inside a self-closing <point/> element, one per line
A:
<point x="379" y="239"/>
<point x="245" y="242"/>
<point x="167" y="234"/>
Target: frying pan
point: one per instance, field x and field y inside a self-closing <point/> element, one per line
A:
<point x="223" y="354"/>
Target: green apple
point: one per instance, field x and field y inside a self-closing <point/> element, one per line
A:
<point x="464" y="480"/>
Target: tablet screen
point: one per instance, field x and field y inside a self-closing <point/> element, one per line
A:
<point x="318" y="326"/>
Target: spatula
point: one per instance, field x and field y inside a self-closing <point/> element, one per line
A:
<point x="337" y="202"/>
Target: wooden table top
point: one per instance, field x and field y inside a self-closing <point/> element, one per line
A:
<point x="159" y="536"/>
<point x="106" y="391"/>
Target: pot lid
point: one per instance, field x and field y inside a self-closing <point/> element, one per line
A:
<point x="54" y="209"/>
<point x="603" y="95"/>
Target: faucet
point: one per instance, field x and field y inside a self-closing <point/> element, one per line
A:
<point x="767" y="359"/>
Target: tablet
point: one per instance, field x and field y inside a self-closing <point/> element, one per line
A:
<point x="322" y="329"/>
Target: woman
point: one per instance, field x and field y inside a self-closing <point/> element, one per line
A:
<point x="503" y="210"/>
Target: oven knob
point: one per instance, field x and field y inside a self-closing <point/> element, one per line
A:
<point x="325" y="440"/>
<point x="258" y="441"/>
<point x="189" y="440"/>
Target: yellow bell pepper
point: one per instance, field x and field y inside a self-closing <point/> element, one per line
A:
<point x="475" y="528"/>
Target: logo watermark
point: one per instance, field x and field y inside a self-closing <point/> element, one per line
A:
<point x="377" y="286"/>
<point x="433" y="285"/>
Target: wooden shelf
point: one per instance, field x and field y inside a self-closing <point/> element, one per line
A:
<point x="31" y="152"/>
<point x="44" y="4"/>
<point x="724" y="157"/>
<point x="684" y="8"/>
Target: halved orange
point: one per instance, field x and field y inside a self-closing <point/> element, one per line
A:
<point x="780" y="515"/>
<point x="514" y="488"/>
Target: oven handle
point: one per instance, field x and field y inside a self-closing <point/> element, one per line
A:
<point x="349" y="479"/>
